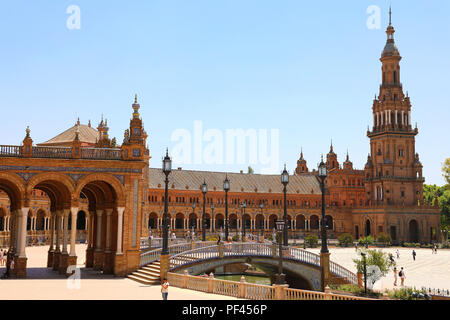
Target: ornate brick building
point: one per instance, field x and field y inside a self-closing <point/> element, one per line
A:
<point x="384" y="197"/>
<point x="110" y="197"/>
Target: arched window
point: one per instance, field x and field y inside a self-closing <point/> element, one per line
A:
<point x="395" y="77"/>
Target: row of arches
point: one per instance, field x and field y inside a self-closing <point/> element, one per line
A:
<point x="413" y="231"/>
<point x="180" y="221"/>
<point x="104" y="220"/>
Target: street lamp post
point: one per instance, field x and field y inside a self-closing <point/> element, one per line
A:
<point x="363" y="254"/>
<point x="243" y="206"/>
<point x="324" y="253"/>
<point x="167" y="168"/>
<point x="164" y="258"/>
<point x="226" y="188"/>
<point x="204" y="188"/>
<point x="280" y="277"/>
<point x="285" y="181"/>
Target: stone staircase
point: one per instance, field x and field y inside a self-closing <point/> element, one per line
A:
<point x="148" y="274"/>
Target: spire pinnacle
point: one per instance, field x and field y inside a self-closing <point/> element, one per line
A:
<point x="135" y="98"/>
<point x="390" y="16"/>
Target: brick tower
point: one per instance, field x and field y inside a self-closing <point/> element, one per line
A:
<point x="393" y="170"/>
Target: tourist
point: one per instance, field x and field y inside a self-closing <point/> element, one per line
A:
<point x="5" y="255"/>
<point x="402" y="276"/>
<point x="165" y="289"/>
<point x="356" y="247"/>
<point x="398" y="254"/>
<point x="391" y="257"/>
<point x="414" y="255"/>
<point x="218" y="240"/>
<point x="1" y="257"/>
<point x="395" y="276"/>
<point x="435" y="249"/>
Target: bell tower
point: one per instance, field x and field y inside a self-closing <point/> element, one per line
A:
<point x="393" y="171"/>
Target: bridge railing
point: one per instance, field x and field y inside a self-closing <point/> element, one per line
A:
<point x="250" y="291"/>
<point x="257" y="249"/>
<point x="154" y="255"/>
<point x="344" y="273"/>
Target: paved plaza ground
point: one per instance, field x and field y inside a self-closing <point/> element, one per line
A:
<point x="429" y="270"/>
<point x="44" y="284"/>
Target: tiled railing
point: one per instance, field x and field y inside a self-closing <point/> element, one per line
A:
<point x="250" y="291"/>
<point x="62" y="152"/>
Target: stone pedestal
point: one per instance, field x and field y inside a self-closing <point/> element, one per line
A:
<point x="108" y="263"/>
<point x="71" y="261"/>
<point x="56" y="260"/>
<point x="20" y="267"/>
<point x="98" y="260"/>
<point x="50" y="256"/>
<point x="164" y="266"/>
<point x="119" y="267"/>
<point x="63" y="263"/>
<point x="325" y="270"/>
<point x="89" y="258"/>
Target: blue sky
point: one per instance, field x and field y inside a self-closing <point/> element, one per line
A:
<point x="309" y="69"/>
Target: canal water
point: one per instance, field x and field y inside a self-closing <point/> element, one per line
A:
<point x="251" y="279"/>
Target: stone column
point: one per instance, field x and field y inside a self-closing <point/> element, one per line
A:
<point x="73" y="231"/>
<point x="64" y="260"/>
<point x="120" y="211"/>
<point x="51" y="250"/>
<point x="20" y="260"/>
<point x="57" y="253"/>
<point x="108" y="256"/>
<point x="98" y="253"/>
<point x="22" y="231"/>
<point x="90" y="248"/>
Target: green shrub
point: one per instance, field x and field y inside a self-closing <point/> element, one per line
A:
<point x="369" y="239"/>
<point x="345" y="239"/>
<point x="408" y="294"/>
<point x="235" y="238"/>
<point x="384" y="238"/>
<point x="356" y="290"/>
<point x="312" y="240"/>
<point x="211" y="238"/>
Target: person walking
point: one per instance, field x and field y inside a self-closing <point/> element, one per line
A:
<point x="356" y="247"/>
<point x="414" y="255"/>
<point x="5" y="256"/>
<point x="398" y="254"/>
<point x="165" y="289"/>
<point x="218" y="240"/>
<point x="391" y="257"/>
<point x="1" y="257"/>
<point x="395" y="276"/>
<point x="402" y="276"/>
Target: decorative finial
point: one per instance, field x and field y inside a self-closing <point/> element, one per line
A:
<point x="347" y="156"/>
<point x="28" y="132"/>
<point x="89" y="123"/>
<point x="167" y="152"/>
<point x="77" y="133"/>
<point x="78" y="121"/>
<point x="390" y="16"/>
<point x="135" y="99"/>
<point x="331" y="146"/>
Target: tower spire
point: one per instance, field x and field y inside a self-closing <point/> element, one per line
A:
<point x="390" y="16"/>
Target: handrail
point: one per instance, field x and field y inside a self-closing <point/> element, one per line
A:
<point x="10" y="151"/>
<point x="251" y="291"/>
<point x="257" y="249"/>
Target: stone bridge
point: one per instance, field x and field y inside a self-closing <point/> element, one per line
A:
<point x="300" y="266"/>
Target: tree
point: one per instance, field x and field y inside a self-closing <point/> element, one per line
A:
<point x="375" y="258"/>
<point x="345" y="239"/>
<point x="446" y="170"/>
<point x="250" y="170"/>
